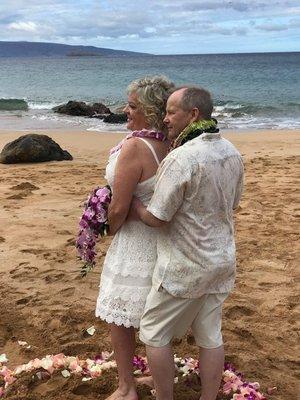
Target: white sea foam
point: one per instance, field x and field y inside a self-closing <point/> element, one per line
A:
<point x="220" y="109"/>
<point x="108" y="128"/>
<point x="41" y="106"/>
<point x="90" y="124"/>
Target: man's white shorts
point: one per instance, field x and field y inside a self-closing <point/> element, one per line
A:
<point x="167" y="317"/>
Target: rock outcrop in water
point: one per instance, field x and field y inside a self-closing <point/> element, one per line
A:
<point x="33" y="148"/>
<point x="96" y="110"/>
<point x="80" y="108"/>
<point x="13" y="105"/>
<point x="115" y="118"/>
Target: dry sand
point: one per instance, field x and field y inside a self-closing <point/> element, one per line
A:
<point x="44" y="301"/>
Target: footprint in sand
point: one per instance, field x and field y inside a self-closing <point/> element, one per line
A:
<point x="2" y="240"/>
<point x="248" y="336"/>
<point x="25" y="273"/>
<point x="68" y="291"/>
<point x="25" y="188"/>
<point x="54" y="278"/>
<point x="33" y="251"/>
<point x="236" y="312"/>
<point x="82" y="390"/>
<point x="55" y="384"/>
<point x="102" y="387"/>
<point x="19" y="196"/>
<point x="24" y="300"/>
<point x="78" y="348"/>
<point x="71" y="242"/>
<point x="64" y="232"/>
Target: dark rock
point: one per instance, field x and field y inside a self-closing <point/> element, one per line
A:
<point x="80" y="108"/>
<point x="115" y="118"/>
<point x="33" y="148"/>
<point x="72" y="108"/>
<point x="99" y="108"/>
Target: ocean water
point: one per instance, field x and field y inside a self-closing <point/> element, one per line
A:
<point x="250" y="91"/>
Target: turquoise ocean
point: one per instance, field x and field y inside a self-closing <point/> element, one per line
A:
<point x="250" y="91"/>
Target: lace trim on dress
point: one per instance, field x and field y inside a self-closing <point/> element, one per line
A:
<point x="139" y="275"/>
<point x="118" y="319"/>
<point x="125" y="312"/>
<point x="132" y="293"/>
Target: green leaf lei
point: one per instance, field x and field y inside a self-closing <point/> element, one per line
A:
<point x="193" y="130"/>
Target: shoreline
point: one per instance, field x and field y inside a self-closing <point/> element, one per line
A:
<point x="250" y="143"/>
<point x="229" y="118"/>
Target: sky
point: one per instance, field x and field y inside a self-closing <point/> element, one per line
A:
<point x="157" y="26"/>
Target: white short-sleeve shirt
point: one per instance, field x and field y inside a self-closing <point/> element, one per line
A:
<point x="197" y="187"/>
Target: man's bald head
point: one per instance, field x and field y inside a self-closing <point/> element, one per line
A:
<point x="196" y="97"/>
<point x="187" y="105"/>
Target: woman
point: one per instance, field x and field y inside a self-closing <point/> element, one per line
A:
<point x="129" y="263"/>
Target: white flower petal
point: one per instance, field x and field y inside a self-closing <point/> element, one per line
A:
<point x="22" y="343"/>
<point x="3" y="358"/>
<point x="65" y="373"/>
<point x="91" y="330"/>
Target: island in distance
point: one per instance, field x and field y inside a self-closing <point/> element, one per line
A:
<point x="40" y="49"/>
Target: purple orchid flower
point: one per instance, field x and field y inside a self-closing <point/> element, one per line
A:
<point x="92" y="224"/>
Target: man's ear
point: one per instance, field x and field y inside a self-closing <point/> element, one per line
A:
<point x="195" y="114"/>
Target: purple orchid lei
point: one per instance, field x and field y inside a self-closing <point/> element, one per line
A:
<point x="144" y="133"/>
<point x="92" y="224"/>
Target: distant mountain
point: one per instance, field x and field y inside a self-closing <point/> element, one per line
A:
<point x="39" y="49"/>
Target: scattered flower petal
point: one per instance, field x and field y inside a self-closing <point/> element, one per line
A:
<point x="271" y="390"/>
<point x="233" y="384"/>
<point x="65" y="373"/>
<point x="91" y="330"/>
<point x="21" y="343"/>
<point x="3" y="358"/>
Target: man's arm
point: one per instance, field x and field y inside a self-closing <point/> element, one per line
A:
<point x="144" y="215"/>
<point x="167" y="197"/>
<point x="240" y="186"/>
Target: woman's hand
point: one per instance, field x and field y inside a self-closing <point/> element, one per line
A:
<point x="133" y="214"/>
<point x="139" y="211"/>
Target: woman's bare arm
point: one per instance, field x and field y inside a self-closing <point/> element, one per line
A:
<point x="127" y="175"/>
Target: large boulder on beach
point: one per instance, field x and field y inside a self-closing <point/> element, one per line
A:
<point x="115" y="118"/>
<point x="33" y="148"/>
<point x="80" y="108"/>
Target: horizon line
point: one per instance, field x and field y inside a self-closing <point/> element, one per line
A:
<point x="155" y="54"/>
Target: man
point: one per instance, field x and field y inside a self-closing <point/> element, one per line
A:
<point x="198" y="185"/>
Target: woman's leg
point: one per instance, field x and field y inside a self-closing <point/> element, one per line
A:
<point x="123" y="342"/>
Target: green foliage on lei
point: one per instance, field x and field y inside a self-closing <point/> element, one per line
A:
<point x="195" y="129"/>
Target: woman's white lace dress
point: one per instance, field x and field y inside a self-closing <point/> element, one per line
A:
<point x="128" y="266"/>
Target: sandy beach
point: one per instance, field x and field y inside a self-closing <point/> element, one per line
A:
<point x="45" y="302"/>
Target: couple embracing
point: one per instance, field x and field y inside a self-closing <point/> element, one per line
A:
<point x="171" y="263"/>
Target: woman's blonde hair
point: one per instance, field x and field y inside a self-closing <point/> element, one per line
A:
<point x="152" y="94"/>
